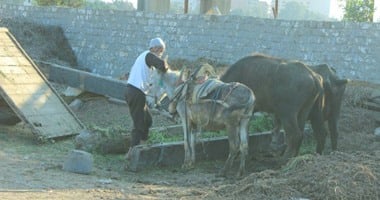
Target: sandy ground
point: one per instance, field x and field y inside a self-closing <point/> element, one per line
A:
<point x="31" y="170"/>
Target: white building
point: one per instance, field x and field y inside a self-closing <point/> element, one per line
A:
<point x="376" y="15"/>
<point x="317" y="6"/>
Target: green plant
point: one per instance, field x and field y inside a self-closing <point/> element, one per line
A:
<point x="296" y="162"/>
<point x="261" y="123"/>
<point x="109" y="132"/>
<point x="308" y="146"/>
<point x="161" y="137"/>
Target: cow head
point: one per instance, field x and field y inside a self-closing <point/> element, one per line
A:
<point x="334" y="88"/>
<point x="330" y="79"/>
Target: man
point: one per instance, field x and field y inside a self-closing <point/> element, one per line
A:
<point x="137" y="87"/>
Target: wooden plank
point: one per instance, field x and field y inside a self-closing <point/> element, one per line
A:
<point x="22" y="69"/>
<point x="371" y="106"/>
<point x="25" y="89"/>
<point x="86" y="81"/>
<point x="21" y="89"/>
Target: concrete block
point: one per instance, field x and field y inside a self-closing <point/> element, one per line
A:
<point x="169" y="130"/>
<point x="172" y="154"/>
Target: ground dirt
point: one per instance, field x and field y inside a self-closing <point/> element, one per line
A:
<point x="33" y="170"/>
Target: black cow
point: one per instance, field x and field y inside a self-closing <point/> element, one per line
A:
<point x="288" y="89"/>
<point x="326" y="110"/>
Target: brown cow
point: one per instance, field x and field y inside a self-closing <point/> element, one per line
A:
<point x="288" y="89"/>
<point x="334" y="88"/>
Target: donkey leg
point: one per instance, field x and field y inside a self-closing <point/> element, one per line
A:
<point x="193" y="138"/>
<point x="187" y="145"/>
<point x="233" y="141"/>
<point x="243" y="145"/>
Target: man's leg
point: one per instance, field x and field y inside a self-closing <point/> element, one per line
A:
<point x="136" y="103"/>
<point x="147" y="123"/>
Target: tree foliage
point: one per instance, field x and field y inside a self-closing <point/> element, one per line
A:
<point x="254" y="9"/>
<point x="66" y="3"/>
<point x="114" y="5"/>
<point x="294" y="10"/>
<point x="95" y="4"/>
<point x="359" y="10"/>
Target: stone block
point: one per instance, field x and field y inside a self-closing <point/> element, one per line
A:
<point x="172" y="153"/>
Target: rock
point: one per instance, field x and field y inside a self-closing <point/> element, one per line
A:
<point x="104" y="181"/>
<point x="76" y="104"/>
<point x="78" y="161"/>
<point x="86" y="141"/>
<point x="96" y="142"/>
<point x="72" y="92"/>
<point x="377" y="133"/>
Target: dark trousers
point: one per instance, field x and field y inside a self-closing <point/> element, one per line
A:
<point x="139" y="111"/>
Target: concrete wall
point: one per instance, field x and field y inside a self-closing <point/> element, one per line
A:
<point x="108" y="41"/>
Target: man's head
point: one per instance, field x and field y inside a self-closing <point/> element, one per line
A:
<point x="157" y="46"/>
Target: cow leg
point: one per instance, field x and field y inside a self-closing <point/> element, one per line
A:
<point x="318" y="126"/>
<point x="276" y="145"/>
<point x="233" y="141"/>
<point x="293" y="136"/>
<point x="276" y="131"/>
<point x="319" y="134"/>
<point x="302" y="118"/>
<point x="333" y="133"/>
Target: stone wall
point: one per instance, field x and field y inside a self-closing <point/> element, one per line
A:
<point x="108" y="41"/>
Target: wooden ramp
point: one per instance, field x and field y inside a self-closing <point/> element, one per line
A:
<point x="29" y="94"/>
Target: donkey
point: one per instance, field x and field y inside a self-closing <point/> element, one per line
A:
<point x="212" y="105"/>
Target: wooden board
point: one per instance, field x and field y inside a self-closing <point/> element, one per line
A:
<point x="25" y="89"/>
<point x="86" y="81"/>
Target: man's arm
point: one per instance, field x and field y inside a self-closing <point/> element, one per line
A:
<point x="158" y="63"/>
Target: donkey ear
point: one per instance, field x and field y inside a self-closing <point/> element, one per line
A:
<point x="184" y="74"/>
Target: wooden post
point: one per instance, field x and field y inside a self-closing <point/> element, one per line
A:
<point x="186" y="7"/>
<point x="275" y="9"/>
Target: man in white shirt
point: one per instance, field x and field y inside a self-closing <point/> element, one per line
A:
<point x="138" y="86"/>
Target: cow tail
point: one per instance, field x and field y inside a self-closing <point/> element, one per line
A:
<point x="320" y="91"/>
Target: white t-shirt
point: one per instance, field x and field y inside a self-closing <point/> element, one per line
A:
<point x="140" y="74"/>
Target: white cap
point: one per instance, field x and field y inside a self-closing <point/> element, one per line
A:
<point x="156" y="42"/>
